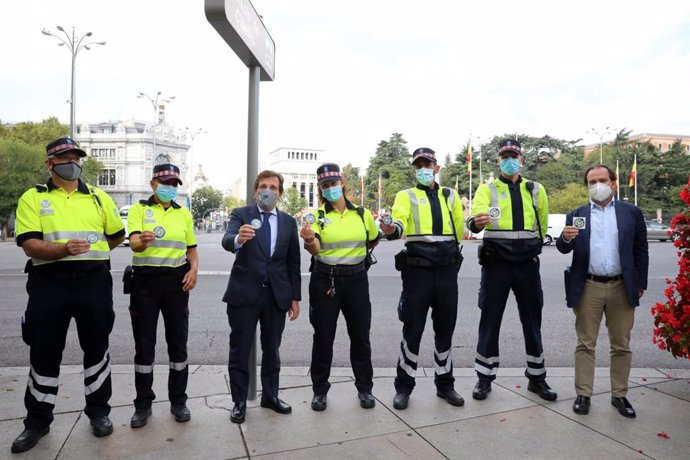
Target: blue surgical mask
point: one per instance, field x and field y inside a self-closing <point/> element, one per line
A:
<point x="425" y="176"/>
<point x="333" y="193"/>
<point x="166" y="193"/>
<point x="510" y="166"/>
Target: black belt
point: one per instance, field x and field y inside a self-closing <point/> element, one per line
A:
<point x="339" y="270"/>
<point x="413" y="261"/>
<point x="604" y="279"/>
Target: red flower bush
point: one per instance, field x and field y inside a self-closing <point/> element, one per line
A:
<point x="672" y="318"/>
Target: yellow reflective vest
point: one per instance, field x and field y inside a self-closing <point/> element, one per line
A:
<point x="173" y="228"/>
<point x="413" y="215"/>
<point x="49" y="213"/>
<point x="343" y="237"/>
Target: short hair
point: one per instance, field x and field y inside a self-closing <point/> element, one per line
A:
<point x="265" y="175"/>
<point x="612" y="173"/>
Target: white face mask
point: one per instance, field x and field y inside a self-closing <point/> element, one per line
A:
<point x="600" y="192"/>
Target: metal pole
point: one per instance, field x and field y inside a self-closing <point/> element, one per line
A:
<point x="71" y="99"/>
<point x="379" y="191"/>
<point x="153" y="128"/>
<point x="252" y="171"/>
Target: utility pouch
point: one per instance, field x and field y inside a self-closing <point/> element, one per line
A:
<point x="459" y="260"/>
<point x="127" y="280"/>
<point x="401" y="260"/>
<point x="487" y="254"/>
<point x="370" y="260"/>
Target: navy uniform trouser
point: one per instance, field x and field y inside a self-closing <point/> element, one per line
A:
<point x="352" y="298"/>
<point x="243" y="321"/>
<point x="498" y="278"/>
<point x="53" y="302"/>
<point x="424" y="288"/>
<point x="152" y="295"/>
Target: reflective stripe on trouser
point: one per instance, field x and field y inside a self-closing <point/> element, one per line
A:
<point x="496" y="282"/>
<point x="352" y="299"/>
<point x="151" y="295"/>
<point x="424" y="288"/>
<point x="52" y="304"/>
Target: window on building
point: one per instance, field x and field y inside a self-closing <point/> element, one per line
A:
<point x="315" y="157"/>
<point x="94" y="152"/>
<point x="659" y="147"/>
<point x="163" y="159"/>
<point x="311" y="195"/>
<point x="106" y="177"/>
<point x="112" y="153"/>
<point x="302" y="190"/>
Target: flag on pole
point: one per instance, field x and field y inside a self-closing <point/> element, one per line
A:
<point x="469" y="158"/>
<point x="633" y="181"/>
<point x="456" y="184"/>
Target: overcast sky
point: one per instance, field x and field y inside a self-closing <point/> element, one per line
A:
<point x="350" y="73"/>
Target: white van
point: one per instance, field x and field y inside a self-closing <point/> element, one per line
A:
<point x="124" y="211"/>
<point x="555" y="228"/>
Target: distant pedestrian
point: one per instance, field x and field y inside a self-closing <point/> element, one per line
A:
<point x="608" y="276"/>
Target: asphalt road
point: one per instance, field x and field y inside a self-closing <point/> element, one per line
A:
<point x="208" y="338"/>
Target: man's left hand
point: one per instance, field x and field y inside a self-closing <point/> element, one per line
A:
<point x="189" y="280"/>
<point x="293" y="312"/>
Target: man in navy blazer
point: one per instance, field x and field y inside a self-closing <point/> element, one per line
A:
<point x="608" y="275"/>
<point x="264" y="286"/>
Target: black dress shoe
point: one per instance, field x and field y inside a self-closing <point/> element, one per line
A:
<point x="181" y="412"/>
<point x="101" y="426"/>
<point x="543" y="390"/>
<point x="238" y="413"/>
<point x="140" y="417"/>
<point x="624" y="407"/>
<point x="452" y="397"/>
<point x="581" y="405"/>
<point x="400" y="400"/>
<point x="366" y="400"/>
<point x="276" y="404"/>
<point x="481" y="389"/>
<point x="318" y="403"/>
<point x="28" y="439"/>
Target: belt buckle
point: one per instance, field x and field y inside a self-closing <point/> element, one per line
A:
<point x="265" y="284"/>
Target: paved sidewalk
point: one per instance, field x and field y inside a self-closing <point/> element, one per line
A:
<point x="512" y="423"/>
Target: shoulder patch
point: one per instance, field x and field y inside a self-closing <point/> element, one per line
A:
<point x="40" y="188"/>
<point x="143" y="201"/>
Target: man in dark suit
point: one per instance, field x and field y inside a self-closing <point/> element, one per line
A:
<point x="608" y="276"/>
<point x="264" y="284"/>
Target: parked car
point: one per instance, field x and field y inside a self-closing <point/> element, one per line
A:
<point x="659" y="231"/>
<point x="555" y="228"/>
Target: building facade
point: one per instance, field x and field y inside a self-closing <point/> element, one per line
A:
<point x="298" y="167"/>
<point x="128" y="151"/>
<point x="662" y="142"/>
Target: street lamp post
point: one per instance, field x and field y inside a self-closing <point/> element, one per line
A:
<point x="155" y="103"/>
<point x="601" y="134"/>
<point x="75" y="44"/>
<point x="193" y="133"/>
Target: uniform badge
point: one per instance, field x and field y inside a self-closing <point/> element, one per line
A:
<point x="327" y="221"/>
<point x="256" y="224"/>
<point x="387" y="219"/>
<point x="92" y="238"/>
<point x="504" y="195"/>
<point x="310" y="219"/>
<point x="159" y="232"/>
<point x="580" y="222"/>
<point x="149" y="213"/>
<point x="423" y="201"/>
<point x="495" y="212"/>
<point x="45" y="203"/>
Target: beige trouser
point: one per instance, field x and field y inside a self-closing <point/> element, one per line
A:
<point x="597" y="299"/>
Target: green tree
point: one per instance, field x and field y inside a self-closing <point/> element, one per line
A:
<point x="22" y="166"/>
<point x="232" y="202"/>
<point x="292" y="202"/>
<point x="90" y="170"/>
<point x="391" y="166"/>
<point x="205" y="199"/>
<point x="42" y="133"/>
<point x="568" y="198"/>
<point x="354" y="188"/>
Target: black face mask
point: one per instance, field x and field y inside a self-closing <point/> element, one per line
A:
<point x="67" y="171"/>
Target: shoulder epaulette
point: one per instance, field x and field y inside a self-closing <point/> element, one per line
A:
<point x="40" y="188"/>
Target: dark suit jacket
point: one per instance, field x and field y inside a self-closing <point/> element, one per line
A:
<point x="284" y="274"/>
<point x="632" y="247"/>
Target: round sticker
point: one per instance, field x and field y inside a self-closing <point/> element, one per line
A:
<point x="387" y="220"/>
<point x="495" y="212"/>
<point x="149" y="213"/>
<point x="45" y="203"/>
<point x="579" y="222"/>
<point x="256" y="224"/>
<point x="159" y="232"/>
<point x="92" y="238"/>
<point x="310" y="219"/>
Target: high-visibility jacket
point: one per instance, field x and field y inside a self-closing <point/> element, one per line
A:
<point x="173" y="228"/>
<point x="523" y="242"/>
<point x="49" y="213"/>
<point x="412" y="213"/>
<point x="343" y="237"/>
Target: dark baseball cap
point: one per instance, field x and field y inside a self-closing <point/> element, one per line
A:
<point x="510" y="145"/>
<point x="167" y="172"/>
<point x="63" y="145"/>
<point x="423" y="152"/>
